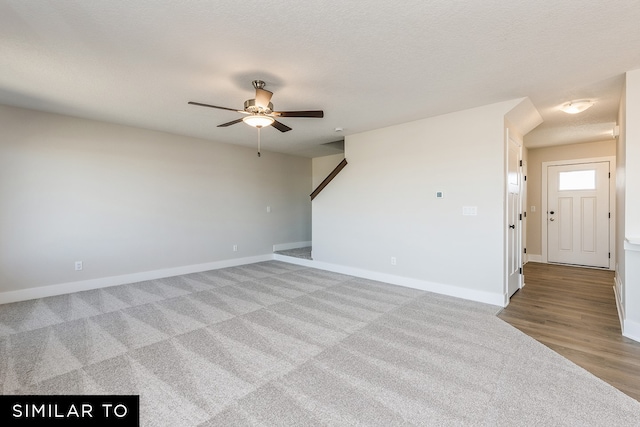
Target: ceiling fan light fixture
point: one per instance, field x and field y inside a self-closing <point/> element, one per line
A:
<point x="258" y="120"/>
<point x="259" y="111"/>
<point x="577" y="106"/>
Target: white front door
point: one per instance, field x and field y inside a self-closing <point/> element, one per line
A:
<point x="578" y="214"/>
<point x="514" y="263"/>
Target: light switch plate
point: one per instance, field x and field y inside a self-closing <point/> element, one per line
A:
<point x="470" y="210"/>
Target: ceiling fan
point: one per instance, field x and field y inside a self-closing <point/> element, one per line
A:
<point x="259" y="111"/>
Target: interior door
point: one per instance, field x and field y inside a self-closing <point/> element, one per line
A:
<point x="578" y="214"/>
<point x="514" y="263"/>
<point x="523" y="209"/>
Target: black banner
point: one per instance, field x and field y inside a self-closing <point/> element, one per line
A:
<point x="52" y="410"/>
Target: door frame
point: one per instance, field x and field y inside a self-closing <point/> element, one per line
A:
<point x="612" y="202"/>
<point x="523" y="207"/>
<point x="512" y="135"/>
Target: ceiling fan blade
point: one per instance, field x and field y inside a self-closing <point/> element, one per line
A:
<point x="317" y="114"/>
<point x="263" y="97"/>
<point x="280" y="126"/>
<point x="233" y="122"/>
<point x="214" y="106"/>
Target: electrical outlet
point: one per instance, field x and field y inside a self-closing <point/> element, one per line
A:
<point x="235" y="248"/>
<point x="394" y="261"/>
<point x="78" y="265"/>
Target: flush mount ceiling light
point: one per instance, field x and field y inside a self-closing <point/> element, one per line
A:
<point x="577" y="106"/>
<point x="258" y="120"/>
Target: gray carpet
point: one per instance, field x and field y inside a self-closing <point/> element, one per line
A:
<point x="276" y="344"/>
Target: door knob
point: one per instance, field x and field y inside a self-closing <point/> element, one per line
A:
<point x="551" y="219"/>
<point x="513" y="226"/>
<point x="552" y="212"/>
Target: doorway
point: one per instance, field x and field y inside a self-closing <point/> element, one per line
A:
<point x="577" y="217"/>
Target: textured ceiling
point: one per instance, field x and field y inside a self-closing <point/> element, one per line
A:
<point x="366" y="63"/>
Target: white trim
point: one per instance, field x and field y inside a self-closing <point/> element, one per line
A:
<point x="523" y="208"/>
<point x="632" y="244"/>
<point x="287" y="246"/>
<point x="297" y="261"/>
<point x="505" y="217"/>
<point x="500" y="300"/>
<point x="512" y="136"/>
<point x="534" y="258"/>
<point x="618" y="285"/>
<point x="612" y="202"/>
<point x="619" y="304"/>
<point x="631" y="330"/>
<point x="506" y="299"/>
<point x="497" y="299"/>
<point x="103" y="282"/>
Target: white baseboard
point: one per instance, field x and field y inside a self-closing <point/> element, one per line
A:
<point x="631" y="330"/>
<point x="85" y="285"/>
<point x="297" y="261"/>
<point x="287" y="246"/>
<point x="439" y="288"/>
<point x="619" y="308"/>
<point x="534" y="258"/>
<point x="103" y="282"/>
<point x="618" y="285"/>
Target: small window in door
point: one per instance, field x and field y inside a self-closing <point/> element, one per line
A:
<point x="577" y="180"/>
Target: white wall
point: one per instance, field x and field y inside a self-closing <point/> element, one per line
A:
<point x="632" y="169"/>
<point x="631" y="187"/>
<point x="126" y="200"/>
<point x="323" y="166"/>
<point x="621" y="160"/>
<point x="383" y="204"/>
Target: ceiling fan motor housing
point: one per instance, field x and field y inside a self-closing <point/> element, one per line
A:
<point x="251" y="107"/>
<point x="260" y="112"/>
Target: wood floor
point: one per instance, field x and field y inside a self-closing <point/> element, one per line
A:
<point x="573" y="311"/>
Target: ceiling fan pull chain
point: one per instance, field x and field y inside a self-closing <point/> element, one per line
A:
<point x="259" y="141"/>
